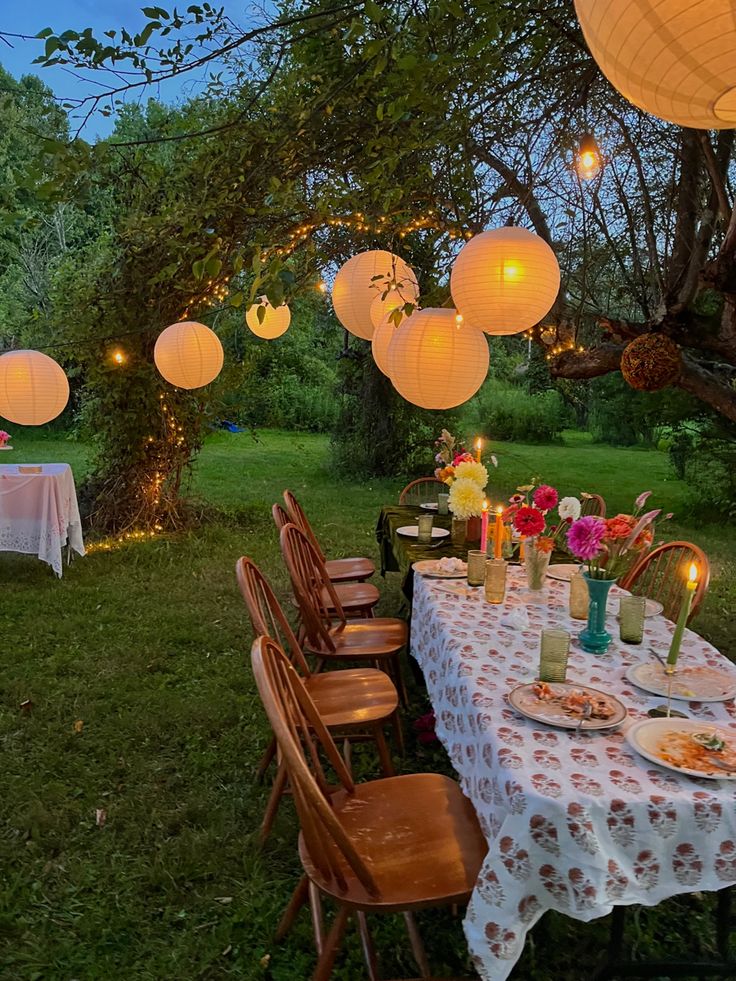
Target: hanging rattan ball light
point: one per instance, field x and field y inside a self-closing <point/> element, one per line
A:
<point x="188" y="354"/>
<point x="505" y="281"/>
<point x="651" y="362"/>
<point x="673" y="58"/>
<point x="275" y="320"/>
<point x="33" y="388"/>
<point x="363" y="278"/>
<point x="436" y="363"/>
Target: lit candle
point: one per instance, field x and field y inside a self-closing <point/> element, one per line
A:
<point x="687" y="601"/>
<point x="484" y="527"/>
<point x="478" y="448"/>
<point x="498" y="534"/>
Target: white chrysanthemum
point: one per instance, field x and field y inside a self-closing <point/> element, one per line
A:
<point x="472" y="471"/>
<point x="569" y="507"/>
<point x="466" y="498"/>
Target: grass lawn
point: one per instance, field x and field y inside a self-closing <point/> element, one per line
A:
<point x="136" y="663"/>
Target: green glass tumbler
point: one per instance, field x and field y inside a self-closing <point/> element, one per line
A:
<point x="631" y="619"/>
<point x="424" y="529"/>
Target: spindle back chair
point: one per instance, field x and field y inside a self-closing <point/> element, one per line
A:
<point x="423" y="491"/>
<point x="661" y="575"/>
<point x="592" y="505"/>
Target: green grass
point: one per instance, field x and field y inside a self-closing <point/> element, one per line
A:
<point x="147" y="645"/>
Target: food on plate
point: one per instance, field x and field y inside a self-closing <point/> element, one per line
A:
<point x="575" y="701"/>
<point x="704" y="751"/>
<point x="451" y="565"/>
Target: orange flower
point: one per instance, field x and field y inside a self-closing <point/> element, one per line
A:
<point x="645" y="539"/>
<point x="545" y="544"/>
<point x="619" y="527"/>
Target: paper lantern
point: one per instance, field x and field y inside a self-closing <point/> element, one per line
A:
<point x="382" y="337"/>
<point x="436" y="363"/>
<point x="384" y="325"/>
<point x="363" y="278"/>
<point x="673" y="58"/>
<point x="505" y="281"/>
<point x="275" y="322"/>
<point x="33" y="388"/>
<point x="651" y="362"/>
<point x="188" y="354"/>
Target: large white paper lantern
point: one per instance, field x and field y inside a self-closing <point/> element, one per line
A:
<point x="436" y="362"/>
<point x="188" y="354"/>
<point x="384" y="326"/>
<point x="33" y="388"/>
<point x="275" y="322"/>
<point x="673" y="58"/>
<point x="363" y="278"/>
<point x="505" y="281"/>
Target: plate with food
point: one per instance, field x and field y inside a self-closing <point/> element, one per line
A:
<point x="412" y="531"/>
<point x="564" y="571"/>
<point x="690" y="746"/>
<point x="696" y="683"/>
<point x="445" y="568"/>
<point x="429" y="505"/>
<point x="567" y="706"/>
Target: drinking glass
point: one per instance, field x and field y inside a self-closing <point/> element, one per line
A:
<point x="579" y="597"/>
<point x="476" y="567"/>
<point x="555" y="648"/>
<point x="442" y="504"/>
<point x="631" y="619"/>
<point x="424" y="534"/>
<point x="496" y="580"/>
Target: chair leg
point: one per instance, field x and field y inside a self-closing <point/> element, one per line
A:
<point x="277" y="792"/>
<point x="369" y="951"/>
<point x="323" y="971"/>
<point x="417" y="947"/>
<point x="401" y="687"/>
<point x="387" y="767"/>
<point x="298" y="899"/>
<point x="398" y="732"/>
<point x="318" y="926"/>
<point x="266" y="760"/>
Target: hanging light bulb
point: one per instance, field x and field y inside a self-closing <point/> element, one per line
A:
<point x="589" y="159"/>
<point x="118" y="357"/>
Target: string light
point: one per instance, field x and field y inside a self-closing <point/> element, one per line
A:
<point x="589" y="157"/>
<point x="119" y="357"/>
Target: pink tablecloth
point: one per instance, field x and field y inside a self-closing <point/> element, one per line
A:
<point x="576" y="824"/>
<point x="39" y="512"/>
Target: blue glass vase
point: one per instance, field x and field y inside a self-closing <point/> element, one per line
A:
<point x="595" y="638"/>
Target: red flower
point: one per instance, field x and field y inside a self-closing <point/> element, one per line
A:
<point x="529" y="521"/>
<point x="509" y="513"/>
<point x="546" y="497"/>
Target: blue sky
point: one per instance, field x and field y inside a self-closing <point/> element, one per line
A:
<point x="100" y="15"/>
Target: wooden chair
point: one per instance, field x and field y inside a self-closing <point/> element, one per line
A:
<point x="328" y="634"/>
<point x="661" y="575"/>
<point x="423" y="491"/>
<point x="592" y="505"/>
<point x="339" y="570"/>
<point x="349" y="847"/>
<point x="352" y="702"/>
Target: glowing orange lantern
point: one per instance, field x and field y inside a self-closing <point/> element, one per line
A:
<point x="363" y="278"/>
<point x="188" y="354"/>
<point x="275" y="320"/>
<point x="33" y="388"/>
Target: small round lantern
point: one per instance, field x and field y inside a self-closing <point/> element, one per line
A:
<point x="673" y="58"/>
<point x="505" y="281"/>
<point x="363" y="278"/>
<point x="651" y="362"/>
<point x="33" y="388"/>
<point x="436" y="363"/>
<point x="275" y="321"/>
<point x="188" y="354"/>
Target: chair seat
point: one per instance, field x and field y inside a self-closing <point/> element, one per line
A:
<point x="349" y="570"/>
<point x="356" y="696"/>
<point x="418" y="835"/>
<point x="366" y="639"/>
<point x="354" y="596"/>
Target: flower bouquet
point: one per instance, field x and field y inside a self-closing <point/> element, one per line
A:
<point x="531" y="512"/>
<point x="455" y="462"/>
<point x="4" y="440"/>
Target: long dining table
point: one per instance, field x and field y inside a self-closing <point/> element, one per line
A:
<point x="578" y="823"/>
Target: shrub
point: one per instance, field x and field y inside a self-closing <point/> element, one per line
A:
<point x="511" y="413"/>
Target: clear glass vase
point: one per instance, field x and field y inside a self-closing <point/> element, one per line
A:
<point x="536" y="563"/>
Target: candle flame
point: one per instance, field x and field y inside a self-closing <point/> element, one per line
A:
<point x="499" y="509"/>
<point x="693" y="573"/>
<point x="478" y="443"/>
<point x="485" y="503"/>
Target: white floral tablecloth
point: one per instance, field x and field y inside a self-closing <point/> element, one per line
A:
<point x="574" y="823"/>
<point x="39" y="513"/>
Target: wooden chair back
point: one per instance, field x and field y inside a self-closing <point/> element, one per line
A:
<point x="301" y="734"/>
<point x="299" y="518"/>
<point x="661" y="575"/>
<point x="423" y="491"/>
<point x="266" y="614"/>
<point x="311" y="586"/>
<point x="593" y="505"/>
<point x="280" y="517"/>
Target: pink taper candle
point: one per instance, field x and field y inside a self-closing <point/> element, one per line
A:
<point x="498" y="534"/>
<point x="484" y="528"/>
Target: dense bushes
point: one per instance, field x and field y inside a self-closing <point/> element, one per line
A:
<point x="510" y="412"/>
<point x="703" y="452"/>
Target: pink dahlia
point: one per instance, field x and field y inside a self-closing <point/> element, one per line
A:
<point x="546" y="497"/>
<point x="585" y="536"/>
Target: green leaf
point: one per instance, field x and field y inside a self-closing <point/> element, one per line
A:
<point x="198" y="269"/>
<point x="213" y="266"/>
<point x="236" y="299"/>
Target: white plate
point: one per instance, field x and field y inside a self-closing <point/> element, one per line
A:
<point x="523" y="699"/>
<point x="646" y="738"/>
<point x="431" y="568"/>
<point x="411" y="531"/>
<point x="652" y="608"/>
<point x="698" y="683"/>
<point x="564" y="571"/>
<point x="429" y="506"/>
